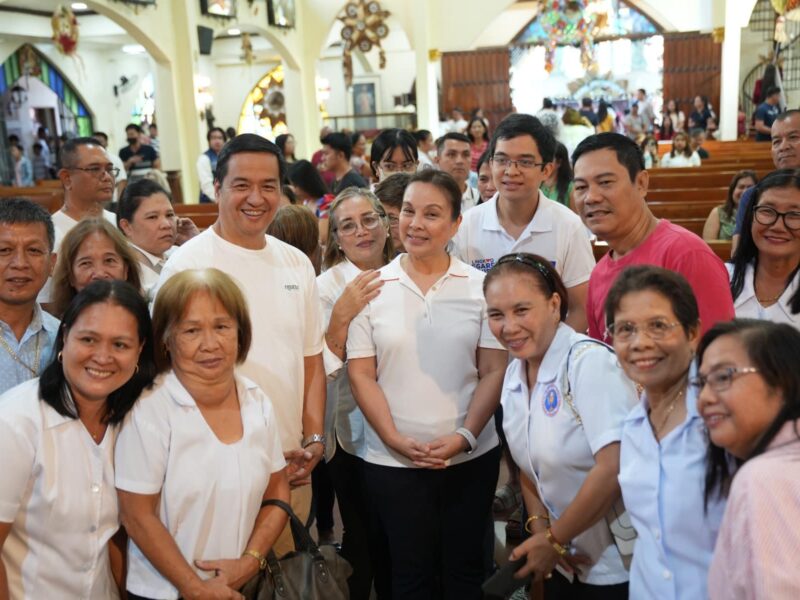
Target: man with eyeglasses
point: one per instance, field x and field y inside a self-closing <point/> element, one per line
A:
<point x="609" y="192"/>
<point x="521" y="219"/>
<point x="88" y="177"/>
<point x="336" y="152"/>
<point x="453" y="156"/>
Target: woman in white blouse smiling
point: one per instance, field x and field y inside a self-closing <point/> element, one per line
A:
<point x="200" y="451"/>
<point x="766" y="266"/>
<point x="426" y="371"/>
<point x="58" y="507"/>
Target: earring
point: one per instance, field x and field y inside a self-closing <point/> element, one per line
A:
<point x="59" y="357"/>
<point x="136" y="370"/>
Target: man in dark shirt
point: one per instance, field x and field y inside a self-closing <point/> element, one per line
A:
<point x="766" y="113"/>
<point x="139" y="159"/>
<point x="336" y="152"/>
<point x="586" y="111"/>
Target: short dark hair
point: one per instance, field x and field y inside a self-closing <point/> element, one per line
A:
<point x="68" y="156"/>
<point x="459" y="137"/>
<point x="586" y="102"/>
<point x="443" y="182"/>
<point x="304" y="175"/>
<point x="517" y="125"/>
<point x="339" y="142"/>
<point x="152" y="125"/>
<point x="212" y="130"/>
<point x="773" y="349"/>
<point x="248" y="142"/>
<point x="421" y="135"/>
<point x="484" y="159"/>
<point x="38" y="146"/>
<point x="133" y="126"/>
<point x="53" y="384"/>
<point x="747" y="251"/>
<point x="100" y="134"/>
<point x="628" y="152"/>
<point x="669" y="284"/>
<point x="771" y="91"/>
<point x="134" y="194"/>
<point x="18" y="211"/>
<point x="387" y="141"/>
<point x="642" y="90"/>
<point x="547" y="104"/>
<point x="390" y="191"/>
<point x="355" y="136"/>
<point x="538" y="267"/>
<point x="13" y="139"/>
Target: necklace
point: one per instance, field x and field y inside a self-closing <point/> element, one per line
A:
<point x="657" y="430"/>
<point x="763" y="301"/>
<point x="33" y="369"/>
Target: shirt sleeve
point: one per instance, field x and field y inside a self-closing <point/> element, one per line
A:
<point x="314" y="329"/>
<point x="578" y="258"/>
<point x="708" y="278"/>
<point x="487" y="337"/>
<point x="744" y="203"/>
<point x="275" y="450"/>
<point x="694" y="160"/>
<point x="17" y="472"/>
<point x="602" y="394"/>
<point x="142" y="449"/>
<point x="205" y="176"/>
<point x="333" y="364"/>
<point x="360" y="343"/>
<point x="459" y="242"/>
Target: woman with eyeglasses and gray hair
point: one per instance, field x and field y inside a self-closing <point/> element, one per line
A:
<point x="359" y="245"/>
<point x="764" y="269"/>
<point x="564" y="400"/>
<point x="653" y="319"/>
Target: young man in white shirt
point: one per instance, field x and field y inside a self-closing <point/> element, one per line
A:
<point x="279" y="283"/>
<point x="522" y="219"/>
<point x="453" y="156"/>
<point x="207" y="164"/>
<point x="88" y="177"/>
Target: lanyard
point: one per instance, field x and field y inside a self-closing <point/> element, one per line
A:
<point x="15" y="356"/>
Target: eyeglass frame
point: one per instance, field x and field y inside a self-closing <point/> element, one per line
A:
<point x="398" y="168"/>
<point x="97" y="171"/>
<point x="360" y="223"/>
<point x="699" y="382"/>
<point x="509" y="162"/>
<point x="778" y="215"/>
<point x="636" y="330"/>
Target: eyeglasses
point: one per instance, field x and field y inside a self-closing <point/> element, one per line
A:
<point x="97" y="172"/>
<point x="522" y="164"/>
<point x="368" y="222"/>
<point x="405" y="167"/>
<point x="655" y="329"/>
<point x="766" y="215"/>
<point x="720" y="379"/>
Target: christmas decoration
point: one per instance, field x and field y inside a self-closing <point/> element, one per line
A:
<point x="65" y="30"/>
<point x="363" y="27"/>
<point x="566" y="22"/>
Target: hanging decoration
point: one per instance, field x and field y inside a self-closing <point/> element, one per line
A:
<point x="247" y="49"/>
<point x="787" y="8"/>
<point x="364" y="26"/>
<point x="567" y="22"/>
<point x="65" y="30"/>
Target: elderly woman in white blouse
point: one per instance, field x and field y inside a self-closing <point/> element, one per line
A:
<point x="59" y="522"/>
<point x="200" y="452"/>
<point x="764" y="269"/>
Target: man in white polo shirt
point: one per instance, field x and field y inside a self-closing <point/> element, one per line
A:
<point x="279" y="283"/>
<point x="453" y="156"/>
<point x="88" y="177"/>
<point x="521" y="219"/>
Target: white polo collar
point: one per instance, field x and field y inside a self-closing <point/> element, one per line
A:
<point x="551" y="365"/>
<point x="182" y="396"/>
<point x="784" y="302"/>
<point x="542" y="219"/>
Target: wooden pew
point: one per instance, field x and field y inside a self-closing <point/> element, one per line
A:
<point x="718" y="195"/>
<point x="50" y="198"/>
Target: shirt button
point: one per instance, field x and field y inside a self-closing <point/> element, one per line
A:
<point x="667" y="574"/>
<point x="92" y="529"/>
<point x="95" y="488"/>
<point x="657" y="534"/>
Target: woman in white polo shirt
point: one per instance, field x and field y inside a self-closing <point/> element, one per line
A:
<point x="359" y="245"/>
<point x="564" y="400"/>
<point x="200" y="451"/>
<point x="58" y="507"/>
<point x="426" y="372"/>
<point x="765" y="270"/>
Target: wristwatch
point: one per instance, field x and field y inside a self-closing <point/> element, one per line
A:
<point x="314" y="438"/>
<point x="262" y="560"/>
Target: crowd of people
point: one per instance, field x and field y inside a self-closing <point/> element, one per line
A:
<point x="367" y="325"/>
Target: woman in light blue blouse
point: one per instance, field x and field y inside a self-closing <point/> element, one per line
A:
<point x="653" y="318"/>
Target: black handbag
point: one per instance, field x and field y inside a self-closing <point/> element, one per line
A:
<point x="309" y="572"/>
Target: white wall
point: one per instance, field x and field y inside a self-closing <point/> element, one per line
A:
<point x="230" y="85"/>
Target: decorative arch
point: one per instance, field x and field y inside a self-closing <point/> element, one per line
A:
<point x="27" y="62"/>
<point x="264" y="109"/>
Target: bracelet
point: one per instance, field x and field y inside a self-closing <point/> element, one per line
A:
<point x="467" y="435"/>
<point x="262" y="560"/>
<point x="314" y="438"/>
<point x="533" y="518"/>
<point x="561" y="549"/>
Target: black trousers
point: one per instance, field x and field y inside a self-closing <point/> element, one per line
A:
<point x="558" y="587"/>
<point x="435" y="525"/>
<point x="322" y="497"/>
<point x="347" y="473"/>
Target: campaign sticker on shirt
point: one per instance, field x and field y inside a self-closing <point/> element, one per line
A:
<point x="551" y="401"/>
<point x="483" y="264"/>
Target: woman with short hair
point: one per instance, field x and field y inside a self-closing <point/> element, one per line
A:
<point x="200" y="451"/>
<point x="59" y="523"/>
<point x="92" y="250"/>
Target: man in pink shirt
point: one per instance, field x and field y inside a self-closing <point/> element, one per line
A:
<point x="609" y="191"/>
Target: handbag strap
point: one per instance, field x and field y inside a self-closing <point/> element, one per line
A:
<point x="565" y="383"/>
<point x="303" y="542"/>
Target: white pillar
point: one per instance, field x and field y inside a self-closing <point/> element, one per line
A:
<point x="427" y="92"/>
<point x="302" y="112"/>
<point x="729" y="80"/>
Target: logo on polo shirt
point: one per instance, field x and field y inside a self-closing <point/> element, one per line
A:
<point x="291" y="287"/>
<point x="551" y="401"/>
<point x="483" y="264"/>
